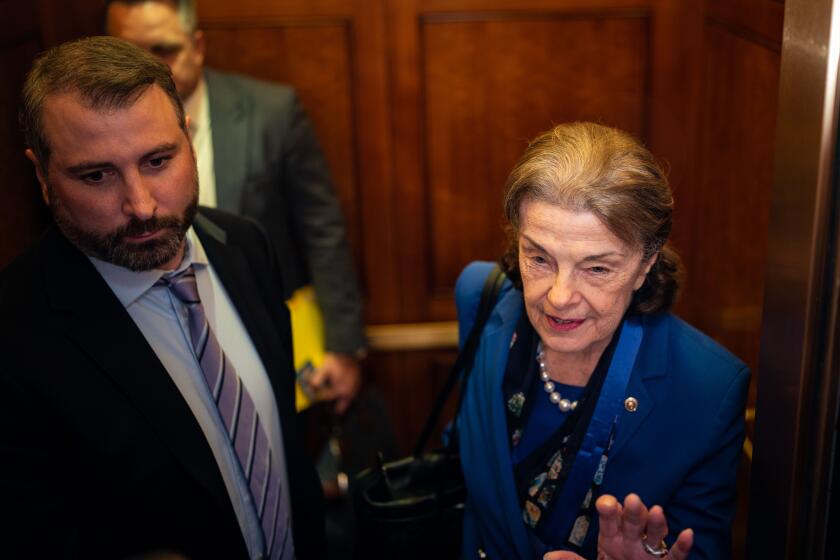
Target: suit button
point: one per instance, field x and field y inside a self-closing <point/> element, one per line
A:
<point x="481" y="553"/>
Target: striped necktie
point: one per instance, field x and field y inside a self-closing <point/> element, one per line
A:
<point x="239" y="415"/>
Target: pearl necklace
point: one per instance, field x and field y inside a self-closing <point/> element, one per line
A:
<point x="565" y="405"/>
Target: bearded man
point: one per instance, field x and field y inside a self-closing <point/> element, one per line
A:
<point x="146" y="381"/>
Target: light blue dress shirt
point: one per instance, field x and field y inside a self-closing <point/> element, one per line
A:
<point x="164" y="322"/>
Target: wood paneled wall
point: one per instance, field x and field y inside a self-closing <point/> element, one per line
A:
<point x="334" y="53"/>
<point x="722" y="217"/>
<point x="21" y="213"/>
<point x="473" y="82"/>
<point x="423" y="106"/>
<point x="486" y="83"/>
<point x="461" y="85"/>
<point x="30" y="28"/>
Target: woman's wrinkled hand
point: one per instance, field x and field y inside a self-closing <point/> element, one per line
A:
<point x="624" y="531"/>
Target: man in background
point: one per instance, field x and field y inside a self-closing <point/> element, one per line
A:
<point x="146" y="381"/>
<point x="258" y="156"/>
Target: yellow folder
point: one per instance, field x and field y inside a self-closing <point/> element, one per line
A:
<point x="308" y="342"/>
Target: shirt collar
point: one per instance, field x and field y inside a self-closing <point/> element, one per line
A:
<point x="197" y="107"/>
<point x="129" y="285"/>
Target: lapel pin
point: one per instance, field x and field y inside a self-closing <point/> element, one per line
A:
<point x="631" y="404"/>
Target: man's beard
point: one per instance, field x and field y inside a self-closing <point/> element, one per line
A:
<point x="113" y="248"/>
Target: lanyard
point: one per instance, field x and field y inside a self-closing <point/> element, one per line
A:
<point x="597" y="436"/>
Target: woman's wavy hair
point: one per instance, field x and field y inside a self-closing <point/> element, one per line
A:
<point x="584" y="166"/>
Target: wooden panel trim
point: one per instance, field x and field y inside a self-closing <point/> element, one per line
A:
<point x="271" y="22"/>
<point x="529" y="5"/>
<point x="379" y="264"/>
<point x="260" y="9"/>
<point x="426" y="194"/>
<point x="744" y="32"/>
<point x="412" y="336"/>
<point x="573" y="12"/>
<point x="761" y="17"/>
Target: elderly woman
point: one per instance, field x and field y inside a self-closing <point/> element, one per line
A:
<point x="585" y="388"/>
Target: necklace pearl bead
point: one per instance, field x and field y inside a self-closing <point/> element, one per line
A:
<point x="565" y="405"/>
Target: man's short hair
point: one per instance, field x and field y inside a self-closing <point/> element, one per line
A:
<point x="185" y="9"/>
<point x="105" y="72"/>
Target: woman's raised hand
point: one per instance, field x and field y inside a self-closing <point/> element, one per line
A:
<point x="632" y="532"/>
<point x="624" y="531"/>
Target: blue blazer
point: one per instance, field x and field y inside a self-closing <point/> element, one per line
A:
<point x="679" y="449"/>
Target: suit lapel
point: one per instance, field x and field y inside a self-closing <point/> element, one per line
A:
<point x="496" y="345"/>
<point x="231" y="266"/>
<point x="88" y="313"/>
<point x="229" y="117"/>
<point x="649" y="371"/>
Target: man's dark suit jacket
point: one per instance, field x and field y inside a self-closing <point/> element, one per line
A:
<point x="100" y="456"/>
<point x="269" y="166"/>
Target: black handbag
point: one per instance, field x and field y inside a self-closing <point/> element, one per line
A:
<point x="414" y="507"/>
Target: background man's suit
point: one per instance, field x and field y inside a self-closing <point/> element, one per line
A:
<point x="100" y="456"/>
<point x="269" y="166"/>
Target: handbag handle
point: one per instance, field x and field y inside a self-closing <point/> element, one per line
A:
<point x="492" y="286"/>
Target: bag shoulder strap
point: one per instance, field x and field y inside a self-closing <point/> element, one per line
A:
<point x="492" y="287"/>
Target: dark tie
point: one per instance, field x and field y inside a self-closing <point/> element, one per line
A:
<point x="240" y="418"/>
